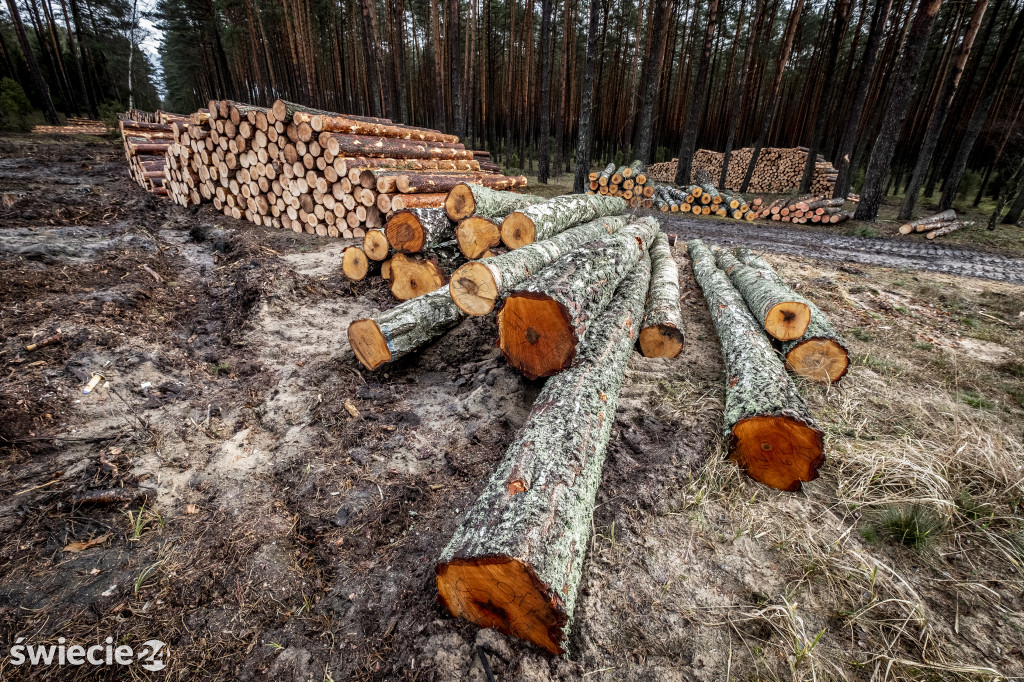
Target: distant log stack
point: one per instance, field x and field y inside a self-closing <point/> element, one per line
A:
<point x="300" y="168"/>
<point x="627" y="182"/>
<point x="778" y="170"/>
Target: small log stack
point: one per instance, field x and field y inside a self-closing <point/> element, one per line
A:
<point x="147" y="138"/>
<point x="936" y="225"/>
<point x="778" y="170"/>
<point x="628" y="182"/>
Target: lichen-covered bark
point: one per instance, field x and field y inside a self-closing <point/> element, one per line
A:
<point x="756" y="383"/>
<point x="663" y="298"/>
<point x="418" y="321"/>
<point x="820" y="326"/>
<point x="558" y="456"/>
<point x="583" y="281"/>
<point x="492" y="203"/>
<point x="515" y="267"/>
<point x="606" y="174"/>
<point x="437" y="228"/>
<point x="760" y="289"/>
<point x="561" y="213"/>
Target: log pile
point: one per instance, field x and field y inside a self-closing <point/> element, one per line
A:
<point x="705" y="199"/>
<point x="629" y="182"/>
<point x="778" y="170"/>
<point x="936" y="225"/>
<point x="315" y="171"/>
<point x="147" y="137"/>
<point x="807" y="209"/>
<point x="74" y="126"/>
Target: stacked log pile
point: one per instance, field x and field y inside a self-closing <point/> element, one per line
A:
<point x="936" y="225"/>
<point x="707" y="200"/>
<point x="778" y="170"/>
<point x="147" y="137"/>
<point x="629" y="182"/>
<point x="74" y="126"/>
<point x="807" y="209"/>
<point x="316" y="171"/>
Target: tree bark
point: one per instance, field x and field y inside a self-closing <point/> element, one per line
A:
<point x="896" y="112"/>
<point x="544" y="321"/>
<point x="544" y="124"/>
<point x="820" y="354"/>
<point x="36" y="76"/>
<point x="419" y="229"/>
<point x="938" y="116"/>
<point x="467" y="200"/>
<point x="696" y="97"/>
<point x="771" y="433"/>
<point x="478" y="287"/>
<point x="734" y="116"/>
<point x="585" y="136"/>
<point x="1016" y="209"/>
<point x="661" y="333"/>
<point x="455" y="65"/>
<point x="372" y="59"/>
<point x="543" y="221"/>
<point x="651" y="81"/>
<point x="516" y="560"/>
<point x="397" y="332"/>
<point x="782" y="312"/>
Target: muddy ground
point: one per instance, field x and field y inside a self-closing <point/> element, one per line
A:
<point x="262" y="531"/>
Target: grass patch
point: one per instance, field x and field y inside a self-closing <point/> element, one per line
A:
<point x="862" y="334"/>
<point x="914" y="526"/>
<point x="865" y="231"/>
<point x="976" y="400"/>
<point x="923" y="345"/>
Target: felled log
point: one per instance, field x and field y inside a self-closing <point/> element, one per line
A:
<point x="412" y="277"/>
<point x="771" y="433"/>
<point x="661" y="334"/>
<point x="543" y="221"/>
<point x="418" y="229"/>
<point x="400" y="201"/>
<point x="543" y="321"/>
<point x="946" y="229"/>
<point x="820" y="354"/>
<point x="394" y="333"/>
<point x="419" y="183"/>
<point x="477" y="287"/>
<point x="944" y="217"/>
<point x="469" y="200"/>
<point x="343" y="144"/>
<point x="355" y="264"/>
<point x="375" y="244"/>
<point x="782" y="312"/>
<point x="515" y="562"/>
<point x="347" y="124"/>
<point x="476" y="236"/>
<point x="285" y="111"/>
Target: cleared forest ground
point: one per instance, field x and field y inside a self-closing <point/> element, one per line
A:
<point x="284" y="538"/>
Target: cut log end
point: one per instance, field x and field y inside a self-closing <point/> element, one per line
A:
<point x="661" y="341"/>
<point x="476" y="235"/>
<point x="778" y="451"/>
<point x="504" y="594"/>
<point x="821" y="360"/>
<point x="375" y="245"/>
<point x="535" y="334"/>
<point x="405" y="232"/>
<point x="518" y="230"/>
<point x="460" y="202"/>
<point x="473" y="289"/>
<point x="368" y="343"/>
<point x="788" y="320"/>
<point x="412" y="277"/>
<point x="354" y="263"/>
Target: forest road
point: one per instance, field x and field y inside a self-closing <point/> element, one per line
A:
<point x="916" y="254"/>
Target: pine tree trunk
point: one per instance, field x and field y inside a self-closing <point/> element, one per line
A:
<point x="543" y="221"/>
<point x="696" y="103"/>
<point x="771" y="433"/>
<point x="543" y="322"/>
<point x="544" y="124"/>
<point x="782" y="312"/>
<point x="737" y="101"/>
<point x="820" y="354"/>
<point x="478" y="287"/>
<point x="899" y="102"/>
<point x="38" y="84"/>
<point x="516" y="560"/>
<point x="585" y="136"/>
<point x="397" y="332"/>
<point x="648" y="96"/>
<point x="661" y="334"/>
<point x="413" y="230"/>
<point x="1016" y="209"/>
<point x="467" y="200"/>
<point x="452" y="21"/>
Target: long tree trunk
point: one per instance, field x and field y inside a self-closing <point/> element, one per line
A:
<point x="1003" y="60"/>
<point x="543" y="221"/>
<point x="661" y="333"/>
<point x="466" y="200"/>
<point x="36" y="76"/>
<point x="372" y="59"/>
<point x="899" y="102"/>
<point x="544" y="124"/>
<point x="451" y="32"/>
<point x="787" y="47"/>
<point x="1012" y="216"/>
<point x="738" y="91"/>
<point x="401" y="330"/>
<point x="651" y="81"/>
<point x="585" y="136"/>
<point x="696" y="103"/>
<point x="938" y="116"/>
<point x="782" y="312"/>
<point x="516" y="560"/>
<point x="771" y="433"/>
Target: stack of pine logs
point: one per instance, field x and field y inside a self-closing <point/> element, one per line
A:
<point x="315" y="171"/>
<point x="629" y="182"/>
<point x="807" y="209"/>
<point x="936" y="225"/>
<point x="147" y="136"/>
<point x="778" y="170"/>
<point x="705" y="199"/>
<point x="74" y="126"/>
<point x="771" y="433"/>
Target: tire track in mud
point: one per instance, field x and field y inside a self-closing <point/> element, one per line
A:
<point x="950" y="260"/>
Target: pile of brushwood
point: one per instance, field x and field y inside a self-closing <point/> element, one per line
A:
<point x="771" y="433"/>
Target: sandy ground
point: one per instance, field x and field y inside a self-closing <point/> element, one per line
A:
<point x="263" y="532"/>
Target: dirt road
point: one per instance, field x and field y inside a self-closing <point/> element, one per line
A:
<point x="912" y="252"/>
